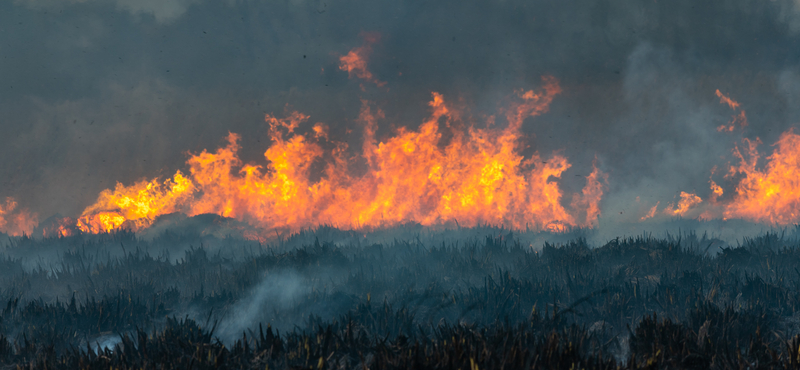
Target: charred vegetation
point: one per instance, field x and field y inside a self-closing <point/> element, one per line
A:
<point x="115" y="300"/>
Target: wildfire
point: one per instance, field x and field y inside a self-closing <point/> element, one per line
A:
<point x="140" y="202"/>
<point x="355" y="62"/>
<point x="652" y="212"/>
<point x="476" y="177"/>
<point x="61" y="228"/>
<point x="688" y="201"/>
<point x="740" y="118"/>
<point x="14" y="221"/>
<point x="771" y="194"/>
<point x="716" y="190"/>
<point x="767" y="193"/>
<point x="448" y="171"/>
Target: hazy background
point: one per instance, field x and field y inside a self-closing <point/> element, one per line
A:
<point x="94" y="92"/>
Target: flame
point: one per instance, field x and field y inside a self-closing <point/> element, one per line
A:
<point x="652" y="212"/>
<point x="355" y="62"/>
<point x="771" y="194"/>
<point x="16" y="222"/>
<point x="724" y="99"/>
<point x="141" y="202"/>
<point x="591" y="195"/>
<point x="468" y="176"/>
<point x="740" y="118"/>
<point x="321" y="131"/>
<point x="716" y="190"/>
<point x="687" y="202"/>
<point x="61" y="228"/>
<point x="766" y="194"/>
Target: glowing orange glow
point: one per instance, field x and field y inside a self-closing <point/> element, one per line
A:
<point x="724" y="99"/>
<point x="14" y="221"/>
<point x="475" y="176"/>
<point x="591" y="195"/>
<point x="766" y="193"/>
<point x="355" y="62"/>
<point x="321" y="131"/>
<point x="688" y="201"/>
<point x="716" y="191"/>
<point x="142" y="202"/>
<point x="740" y="118"/>
<point x="771" y="194"/>
<point x="652" y="212"/>
<point x="63" y="227"/>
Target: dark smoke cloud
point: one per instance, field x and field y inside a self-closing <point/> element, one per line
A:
<point x="93" y="92"/>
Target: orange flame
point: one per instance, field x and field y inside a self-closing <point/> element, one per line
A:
<point x="716" y="190"/>
<point x="474" y="177"/>
<point x="16" y="222"/>
<point x="591" y="195"/>
<point x="141" y="202"/>
<point x="770" y="195"/>
<point x="688" y="201"/>
<point x="724" y="99"/>
<point x="765" y="194"/>
<point x="355" y="62"/>
<point x="61" y="228"/>
<point x="652" y="212"/>
<point x="740" y="118"/>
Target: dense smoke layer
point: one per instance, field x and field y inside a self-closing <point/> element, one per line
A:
<point x="94" y="93"/>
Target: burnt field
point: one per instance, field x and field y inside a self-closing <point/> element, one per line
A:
<point x="334" y="299"/>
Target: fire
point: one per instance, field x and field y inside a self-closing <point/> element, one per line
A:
<point x="447" y="171"/>
<point x="355" y="62"/>
<point x="652" y="212"/>
<point x="687" y="202"/>
<point x="716" y="190"/>
<point x="61" y="228"/>
<point x="140" y="202"/>
<point x="16" y="222"/>
<point x="591" y="195"/>
<point x="771" y="194"/>
<point x="432" y="176"/>
<point x="767" y="192"/>
<point x="740" y="118"/>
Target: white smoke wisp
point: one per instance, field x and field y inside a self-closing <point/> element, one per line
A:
<point x="277" y="292"/>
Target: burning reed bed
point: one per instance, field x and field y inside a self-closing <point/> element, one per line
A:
<point x="117" y="301"/>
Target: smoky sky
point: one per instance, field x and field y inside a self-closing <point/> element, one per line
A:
<point x="97" y="92"/>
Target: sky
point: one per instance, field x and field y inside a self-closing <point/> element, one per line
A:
<point x="98" y="92"/>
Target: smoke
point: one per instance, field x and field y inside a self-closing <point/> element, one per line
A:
<point x="278" y="292"/>
<point x="161" y="10"/>
<point x="673" y="133"/>
<point x="94" y="93"/>
<point x="790" y="14"/>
